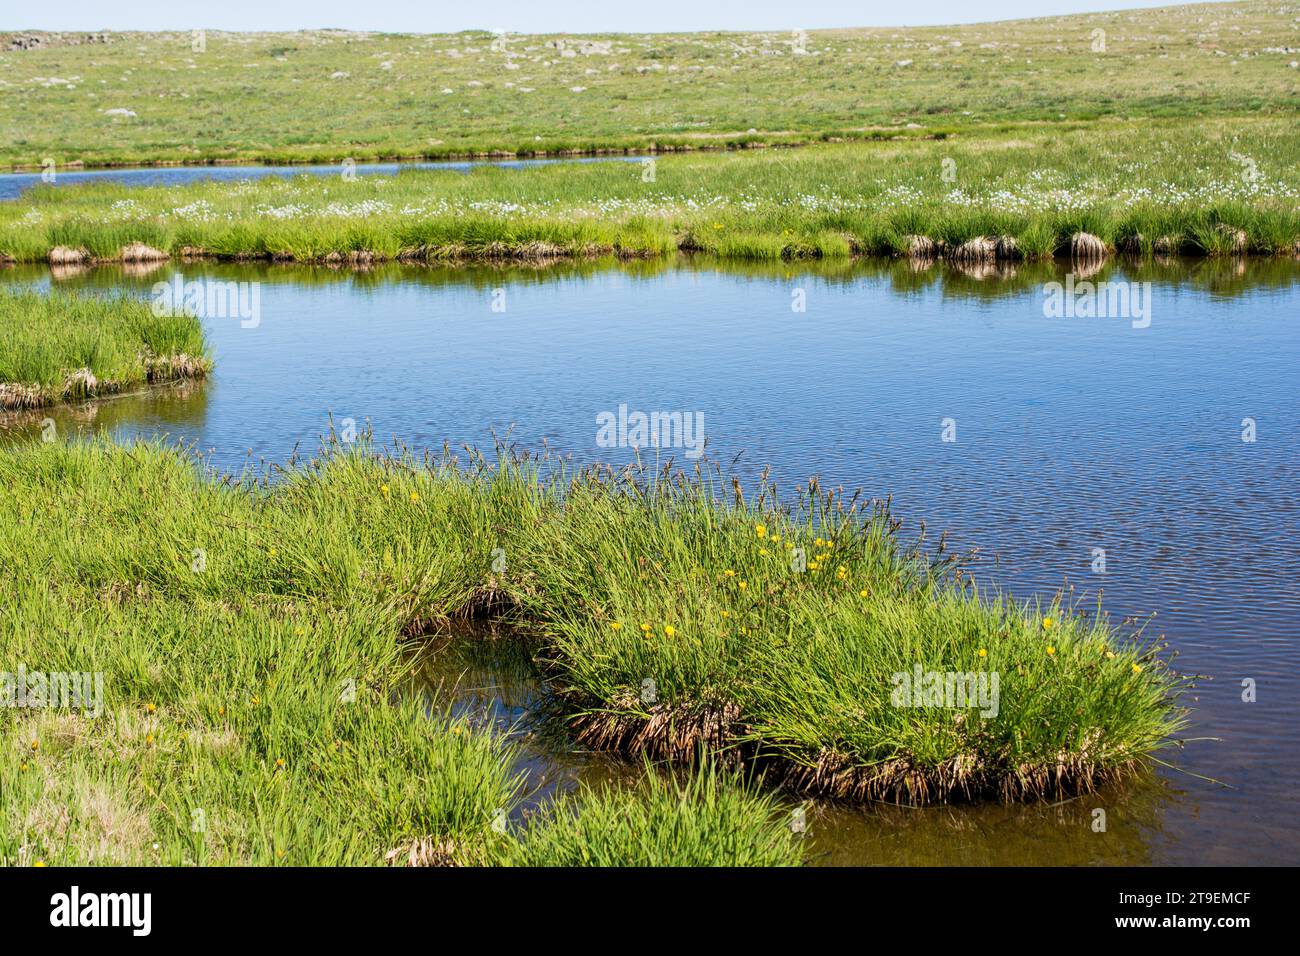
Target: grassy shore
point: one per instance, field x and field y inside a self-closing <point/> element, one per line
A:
<point x="250" y="707"/>
<point x="69" y="347"/>
<point x="251" y="637"/>
<point x="1158" y="188"/>
<point x="323" y="96"/>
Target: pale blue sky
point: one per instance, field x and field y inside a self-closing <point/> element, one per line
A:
<point x="529" y="16"/>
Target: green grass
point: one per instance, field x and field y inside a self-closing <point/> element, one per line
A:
<point x="705" y="820"/>
<point x="48" y="343"/>
<point x="778" y="635"/>
<point x="1130" y="184"/>
<point x="326" y="95"/>
<point x="251" y="705"/>
<point x="228" y="617"/>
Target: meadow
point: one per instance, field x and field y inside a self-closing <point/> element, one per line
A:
<point x="1154" y="188"/>
<point x="254" y="635"/>
<point x="323" y="96"/>
<point x="71" y="347"/>
<point x="257" y="634"/>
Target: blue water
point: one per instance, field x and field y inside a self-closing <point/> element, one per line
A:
<point x="1071" y="434"/>
<point x="13" y="185"/>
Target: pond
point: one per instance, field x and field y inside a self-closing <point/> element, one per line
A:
<point x="1144" y="456"/>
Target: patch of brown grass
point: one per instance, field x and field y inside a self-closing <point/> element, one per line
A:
<point x="674" y="732"/>
<point x="423" y="851"/>
<point x="1084" y="247"/>
<point x="98" y="825"/>
<point x="66" y="256"/>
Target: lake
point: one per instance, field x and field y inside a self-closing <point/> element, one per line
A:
<point x="1147" y="461"/>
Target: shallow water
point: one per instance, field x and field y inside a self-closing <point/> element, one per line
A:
<point x="13" y="185"/>
<point x="1072" y="434"/>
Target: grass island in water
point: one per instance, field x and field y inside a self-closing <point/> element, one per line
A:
<point x="60" y="346"/>
<point x="772" y="639"/>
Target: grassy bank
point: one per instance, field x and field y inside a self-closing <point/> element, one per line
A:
<point x="1158" y="188"/>
<point x="69" y="347"/>
<point x="249" y="708"/>
<point x="322" y="96"/>
<point x="257" y="635"/>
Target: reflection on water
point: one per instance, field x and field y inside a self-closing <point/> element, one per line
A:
<point x="174" y="410"/>
<point x="983" y="281"/>
<point x="1073" y="435"/>
<point x="487" y="673"/>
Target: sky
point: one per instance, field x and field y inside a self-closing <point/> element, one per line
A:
<point x="530" y="16"/>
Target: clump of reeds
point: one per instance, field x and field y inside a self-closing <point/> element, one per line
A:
<point x="707" y="819"/>
<point x="64" y="256"/>
<point x="790" y="666"/>
<point x="1085" y="247"/>
<point x="140" y="252"/>
<point x="979" y="249"/>
<point x="921" y="247"/>
<point x="67" y="347"/>
<point x="1007" y="249"/>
